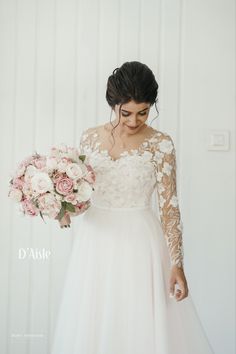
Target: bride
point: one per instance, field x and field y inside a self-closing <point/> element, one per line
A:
<point x="125" y="282"/>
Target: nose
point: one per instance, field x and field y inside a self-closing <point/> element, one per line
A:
<point x="133" y="122"/>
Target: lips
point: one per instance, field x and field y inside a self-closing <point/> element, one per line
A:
<point x="132" y="127"/>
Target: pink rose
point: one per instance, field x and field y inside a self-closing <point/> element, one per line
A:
<point x="64" y="185"/>
<point x="29" y="208"/>
<point x="71" y="198"/>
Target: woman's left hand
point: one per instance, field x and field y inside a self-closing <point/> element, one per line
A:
<point x="177" y="276"/>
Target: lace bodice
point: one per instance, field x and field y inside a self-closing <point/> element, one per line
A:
<point x="130" y="180"/>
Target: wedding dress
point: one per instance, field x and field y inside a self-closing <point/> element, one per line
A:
<point x="116" y="294"/>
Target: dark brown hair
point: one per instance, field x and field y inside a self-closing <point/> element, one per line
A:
<point x="132" y="81"/>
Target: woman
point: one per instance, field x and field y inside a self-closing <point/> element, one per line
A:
<point x="125" y="282"/>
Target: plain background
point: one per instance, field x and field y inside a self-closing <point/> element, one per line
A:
<point x="55" y="58"/>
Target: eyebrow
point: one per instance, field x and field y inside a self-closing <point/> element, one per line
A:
<point x="138" y="112"/>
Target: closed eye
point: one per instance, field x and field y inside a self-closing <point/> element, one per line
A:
<point x="128" y="114"/>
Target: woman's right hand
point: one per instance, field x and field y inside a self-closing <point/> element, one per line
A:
<point x="65" y="221"/>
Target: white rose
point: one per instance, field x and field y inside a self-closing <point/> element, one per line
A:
<point x="84" y="191"/>
<point x="16" y="195"/>
<point x="62" y="166"/>
<point x="74" y="171"/>
<point x="31" y="171"/>
<point x="73" y="154"/>
<point x="41" y="183"/>
<point x="51" y="163"/>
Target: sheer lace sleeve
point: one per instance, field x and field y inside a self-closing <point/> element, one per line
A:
<point x="167" y="198"/>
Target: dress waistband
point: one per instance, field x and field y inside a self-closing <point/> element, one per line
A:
<point x="140" y="207"/>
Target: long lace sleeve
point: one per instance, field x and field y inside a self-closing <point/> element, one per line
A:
<point x="167" y="198"/>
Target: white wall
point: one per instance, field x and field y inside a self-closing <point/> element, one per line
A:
<point x="55" y="58"/>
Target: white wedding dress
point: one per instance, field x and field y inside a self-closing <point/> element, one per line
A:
<point x="116" y="292"/>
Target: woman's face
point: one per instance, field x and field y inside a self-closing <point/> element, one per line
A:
<point x="133" y="116"/>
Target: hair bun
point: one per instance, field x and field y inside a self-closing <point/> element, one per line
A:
<point x="115" y="70"/>
<point x="133" y="80"/>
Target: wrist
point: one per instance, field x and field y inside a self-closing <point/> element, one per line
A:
<point x="177" y="267"/>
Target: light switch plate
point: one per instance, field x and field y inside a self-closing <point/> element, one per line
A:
<point x="218" y="140"/>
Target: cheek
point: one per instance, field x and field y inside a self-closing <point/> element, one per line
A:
<point x="123" y="120"/>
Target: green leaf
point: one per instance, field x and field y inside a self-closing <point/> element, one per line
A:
<point x="40" y="213"/>
<point x="70" y="207"/>
<point x="61" y="212"/>
<point x="82" y="157"/>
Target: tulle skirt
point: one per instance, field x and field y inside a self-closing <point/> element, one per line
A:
<point x="115" y="298"/>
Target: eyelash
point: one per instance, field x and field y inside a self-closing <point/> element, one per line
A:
<point x="126" y="115"/>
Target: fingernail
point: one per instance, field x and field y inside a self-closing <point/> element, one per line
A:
<point x="171" y="295"/>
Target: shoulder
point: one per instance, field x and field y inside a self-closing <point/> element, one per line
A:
<point x="161" y="136"/>
<point x="163" y="141"/>
<point x="88" y="132"/>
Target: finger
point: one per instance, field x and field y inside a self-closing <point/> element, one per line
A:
<point x="172" y="288"/>
<point x="181" y="293"/>
<point x="67" y="218"/>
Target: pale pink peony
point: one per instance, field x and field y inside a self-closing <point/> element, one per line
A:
<point x="15" y="194"/>
<point x="27" y="190"/>
<point x="49" y="205"/>
<point x="41" y="183"/>
<point x="29" y="208"/>
<point x="40" y="162"/>
<point x="64" y="185"/>
<point x="18" y="183"/>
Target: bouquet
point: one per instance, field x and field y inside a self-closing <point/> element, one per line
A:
<point x="53" y="185"/>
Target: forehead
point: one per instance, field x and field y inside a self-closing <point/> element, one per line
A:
<point x="134" y="106"/>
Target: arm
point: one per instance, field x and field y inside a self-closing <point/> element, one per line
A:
<point x="168" y="201"/>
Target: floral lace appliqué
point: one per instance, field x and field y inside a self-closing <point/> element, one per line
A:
<point x="130" y="180"/>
